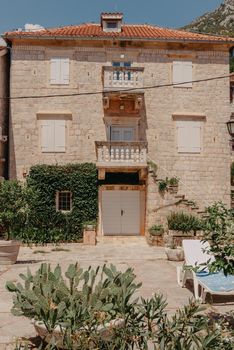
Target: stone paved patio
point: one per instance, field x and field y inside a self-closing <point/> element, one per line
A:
<point x="149" y="263"/>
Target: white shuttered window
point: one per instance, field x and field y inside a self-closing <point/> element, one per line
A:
<point x="59" y="71"/>
<point x="53" y="135"/>
<point x="189" y="136"/>
<point x="183" y="72"/>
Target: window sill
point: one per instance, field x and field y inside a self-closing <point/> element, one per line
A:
<point x="52" y="152"/>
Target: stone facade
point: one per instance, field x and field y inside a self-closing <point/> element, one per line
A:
<point x="204" y="177"/>
<point x="3" y="110"/>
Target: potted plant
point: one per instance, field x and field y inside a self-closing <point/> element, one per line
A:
<point x="89" y="292"/>
<point x="89" y="233"/>
<point x="156" y="235"/>
<point x="163" y="186"/>
<point x="90" y="225"/>
<point x="12" y="219"/>
<point x="173" y="252"/>
<point x="173" y="185"/>
<point x="182" y="225"/>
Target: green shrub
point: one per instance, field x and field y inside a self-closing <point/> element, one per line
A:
<point x="13" y="208"/>
<point x="156" y="230"/>
<point x="85" y="301"/>
<point x="184" y="222"/>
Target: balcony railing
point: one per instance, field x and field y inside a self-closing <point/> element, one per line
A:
<point x="122" y="77"/>
<point x="121" y="153"/>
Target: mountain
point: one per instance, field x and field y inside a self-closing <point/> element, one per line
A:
<point x="220" y="21"/>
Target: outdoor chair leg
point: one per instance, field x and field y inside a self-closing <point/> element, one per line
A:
<point x="203" y="295"/>
<point x="196" y="288"/>
<point x="181" y="276"/>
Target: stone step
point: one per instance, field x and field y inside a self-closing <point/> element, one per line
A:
<point x="122" y="240"/>
<point x="181" y="196"/>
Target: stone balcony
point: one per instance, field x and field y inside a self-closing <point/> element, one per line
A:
<point x="121" y="157"/>
<point x="117" y="78"/>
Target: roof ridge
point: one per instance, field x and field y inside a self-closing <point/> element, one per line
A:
<point x="129" y="31"/>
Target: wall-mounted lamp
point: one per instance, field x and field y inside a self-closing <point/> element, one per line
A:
<point x="230" y="126"/>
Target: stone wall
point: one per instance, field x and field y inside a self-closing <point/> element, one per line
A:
<point x="204" y="177"/>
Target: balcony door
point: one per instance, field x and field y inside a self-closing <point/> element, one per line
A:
<point x="121" y="134"/>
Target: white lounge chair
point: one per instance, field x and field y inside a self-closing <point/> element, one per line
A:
<point x="215" y="283"/>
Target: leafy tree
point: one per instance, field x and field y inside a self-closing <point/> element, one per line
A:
<point x="219" y="231"/>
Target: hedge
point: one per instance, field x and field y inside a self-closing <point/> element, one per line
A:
<point x="46" y="224"/>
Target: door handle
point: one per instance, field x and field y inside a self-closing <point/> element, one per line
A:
<point x="122" y="212"/>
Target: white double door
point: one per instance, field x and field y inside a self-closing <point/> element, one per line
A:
<point x="121" y="212"/>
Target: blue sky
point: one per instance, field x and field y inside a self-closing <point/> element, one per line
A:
<point x="52" y="13"/>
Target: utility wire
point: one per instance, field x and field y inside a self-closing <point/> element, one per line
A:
<point x="117" y="91"/>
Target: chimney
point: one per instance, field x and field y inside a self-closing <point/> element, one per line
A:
<point x="111" y="22"/>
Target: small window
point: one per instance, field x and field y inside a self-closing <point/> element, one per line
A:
<point x="111" y="25"/>
<point x="121" y="64"/>
<point x="64" y="201"/>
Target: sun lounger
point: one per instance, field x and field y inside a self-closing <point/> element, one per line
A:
<point x="213" y="283"/>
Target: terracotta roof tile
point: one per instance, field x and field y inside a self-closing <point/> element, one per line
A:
<point x="141" y="32"/>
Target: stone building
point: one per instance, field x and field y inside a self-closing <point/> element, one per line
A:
<point x="4" y="82"/>
<point x="123" y="95"/>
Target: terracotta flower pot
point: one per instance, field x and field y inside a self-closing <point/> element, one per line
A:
<point x="9" y="251"/>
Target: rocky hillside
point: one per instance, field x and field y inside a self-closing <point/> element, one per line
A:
<point x="220" y="21"/>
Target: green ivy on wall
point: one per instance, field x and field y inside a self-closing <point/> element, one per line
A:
<point x="46" y="224"/>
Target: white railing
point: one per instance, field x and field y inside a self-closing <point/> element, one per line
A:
<point x="121" y="77"/>
<point x="121" y="152"/>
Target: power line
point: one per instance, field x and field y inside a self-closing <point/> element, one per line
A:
<point x="117" y="91"/>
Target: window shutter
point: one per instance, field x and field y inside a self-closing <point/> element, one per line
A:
<point x="182" y="137"/>
<point x="195" y="137"/>
<point x="47" y="135"/>
<point x="54" y="71"/>
<point x="189" y="136"/>
<point x="59" y="135"/>
<point x="187" y="74"/>
<point x="183" y="72"/>
<point x="176" y="72"/>
<point x="65" y="74"/>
